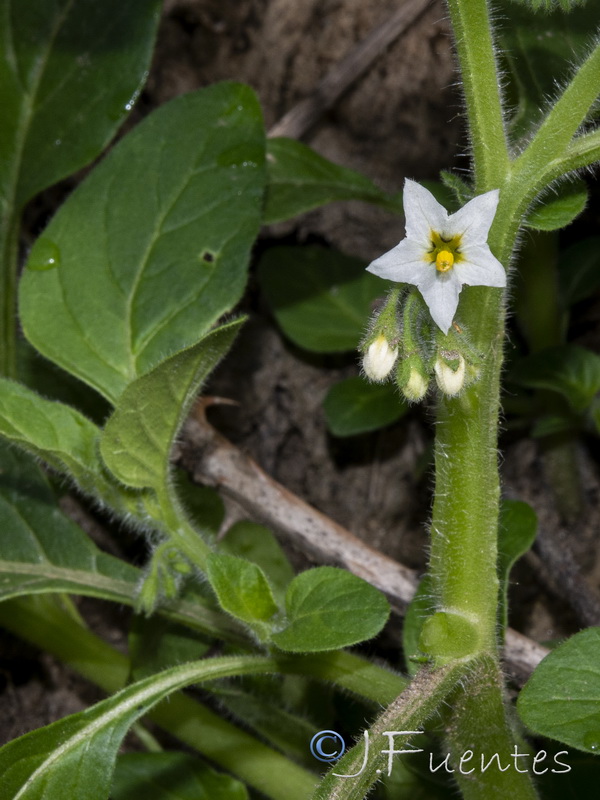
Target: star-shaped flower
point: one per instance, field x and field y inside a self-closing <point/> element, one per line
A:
<point x="441" y="252"/>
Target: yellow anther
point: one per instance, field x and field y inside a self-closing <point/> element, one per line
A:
<point x="444" y="261"/>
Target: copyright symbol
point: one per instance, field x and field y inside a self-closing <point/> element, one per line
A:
<point x="327" y="746"/>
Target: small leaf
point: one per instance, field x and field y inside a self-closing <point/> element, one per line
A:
<point x="70" y="73"/>
<point x="560" y="209"/>
<point x="579" y="270"/>
<point x="329" y="608"/>
<point x="152" y="248"/>
<point x="321" y="298"/>
<point x="202" y="503"/>
<point x="570" y="370"/>
<point x="257" y="544"/>
<point x="461" y="191"/>
<point x="171" y="776"/>
<point x="137" y="439"/>
<point x="61" y="436"/>
<point x="561" y="700"/>
<point x="75" y="757"/>
<point x="299" y="179"/>
<point x="356" y="406"/>
<point x="517" y="529"/>
<point x="241" y="587"/>
<point x="156" y="644"/>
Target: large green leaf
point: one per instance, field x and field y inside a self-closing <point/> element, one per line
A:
<point x="540" y="51"/>
<point x="300" y="179"/>
<point x="171" y="776"/>
<point x="75" y="756"/>
<point x="70" y="71"/>
<point x="321" y="298"/>
<point x="559" y="208"/>
<point x="328" y="608"/>
<point x="137" y="438"/>
<point x="152" y="248"/>
<point x="355" y="406"/>
<point x="570" y="370"/>
<point x="61" y="436"/>
<point x="561" y="700"/>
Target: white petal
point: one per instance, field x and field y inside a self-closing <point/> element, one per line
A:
<point x="440" y="291"/>
<point x="480" y="267"/>
<point x="403" y="263"/>
<point x="423" y="213"/>
<point x="475" y="219"/>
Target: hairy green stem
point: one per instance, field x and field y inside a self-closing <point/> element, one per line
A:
<point x="475" y="49"/>
<point x="355" y="773"/>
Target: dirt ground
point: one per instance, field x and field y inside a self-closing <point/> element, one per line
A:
<point x="401" y="119"/>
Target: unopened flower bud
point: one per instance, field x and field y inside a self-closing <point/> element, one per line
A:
<point x="379" y="359"/>
<point x="416" y="387"/>
<point x="450" y="378"/>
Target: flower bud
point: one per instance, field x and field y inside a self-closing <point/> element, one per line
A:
<point x="450" y="377"/>
<point x="416" y="387"/>
<point x="379" y="359"/>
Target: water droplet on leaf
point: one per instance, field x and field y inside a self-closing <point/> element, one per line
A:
<point x="591" y="740"/>
<point x="44" y="255"/>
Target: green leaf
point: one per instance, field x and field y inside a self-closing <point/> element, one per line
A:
<point x="356" y="406"/>
<point x="329" y="608"/>
<point x="202" y="503"/>
<point x="41" y="550"/>
<point x="517" y="529"/>
<point x="579" y="270"/>
<point x="419" y="609"/>
<point x="61" y="436"/>
<point x="570" y="370"/>
<point x="70" y="71"/>
<point x="539" y="52"/>
<point x="152" y="248"/>
<point x="137" y="439"/>
<point x="559" y="209"/>
<point x="257" y="544"/>
<point x="321" y="298"/>
<point x="561" y="700"/>
<point x="171" y="776"/>
<point x="299" y="179"/>
<point x="242" y="589"/>
<point x="75" y="756"/>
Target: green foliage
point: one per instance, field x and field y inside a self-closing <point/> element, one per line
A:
<point x="299" y="179"/>
<point x="61" y="436"/>
<point x="70" y="71"/>
<point x="243" y="590"/>
<point x="517" y="529"/>
<point x="328" y="608"/>
<point x="137" y="438"/>
<point x="321" y="298"/>
<point x="539" y="52"/>
<point x="257" y="544"/>
<point x="75" y="756"/>
<point x="560" y="208"/>
<point x="171" y="776"/>
<point x="579" y="270"/>
<point x="561" y="700"/>
<point x="355" y="406"/>
<point x="569" y="370"/>
<point x="156" y="643"/>
<point x="139" y="263"/>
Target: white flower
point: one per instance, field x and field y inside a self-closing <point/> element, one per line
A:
<point x="379" y="359"/>
<point x="442" y="251"/>
<point x="449" y="380"/>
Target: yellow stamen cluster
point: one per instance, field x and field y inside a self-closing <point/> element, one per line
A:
<point x="444" y="260"/>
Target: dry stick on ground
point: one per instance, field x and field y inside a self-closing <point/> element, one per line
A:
<point x="305" y="114"/>
<point x="212" y="460"/>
